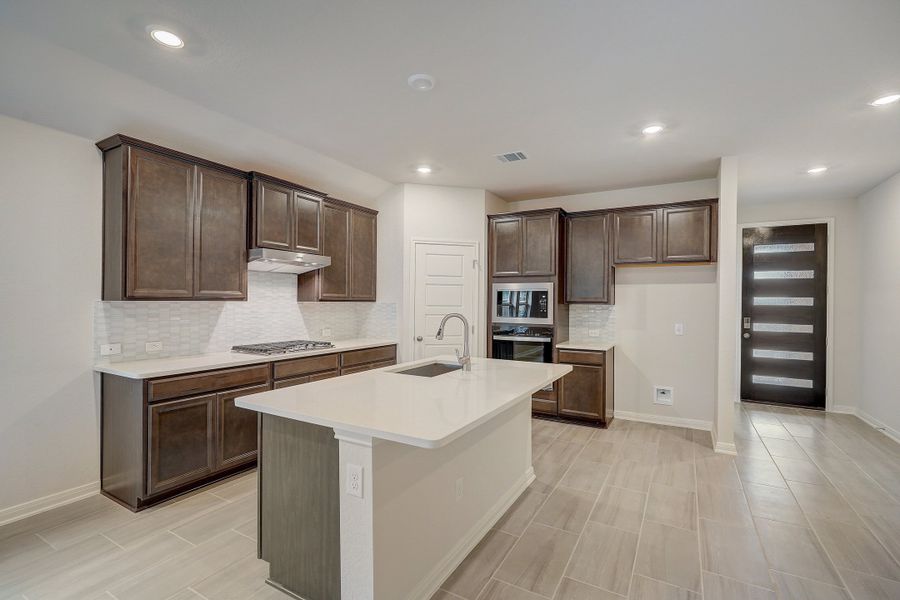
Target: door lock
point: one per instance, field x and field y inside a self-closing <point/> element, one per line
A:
<point x="746" y="322"/>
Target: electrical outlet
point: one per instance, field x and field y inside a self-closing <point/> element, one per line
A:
<point x="110" y="349"/>
<point x="663" y="395"/>
<point x="459" y="489"/>
<point x="355" y="480"/>
<point x="153" y="347"/>
<point x="593" y="333"/>
<point x="679" y="328"/>
<point x="326" y="332"/>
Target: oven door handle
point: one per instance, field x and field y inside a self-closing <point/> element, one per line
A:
<point x="521" y="338"/>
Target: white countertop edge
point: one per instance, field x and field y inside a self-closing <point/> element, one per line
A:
<point x="593" y="346"/>
<point x="427" y="443"/>
<point x="179" y="365"/>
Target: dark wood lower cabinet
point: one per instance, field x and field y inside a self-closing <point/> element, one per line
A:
<point x="587" y="393"/>
<point x="166" y="436"/>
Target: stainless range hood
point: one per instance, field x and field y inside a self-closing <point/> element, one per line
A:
<point x="282" y="261"/>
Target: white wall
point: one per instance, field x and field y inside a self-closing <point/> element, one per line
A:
<point x="845" y="335"/>
<point x="649" y="301"/>
<point x="50" y="235"/>
<point x="879" y="220"/>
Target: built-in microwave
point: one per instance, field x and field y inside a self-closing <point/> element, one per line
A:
<point x="522" y="303"/>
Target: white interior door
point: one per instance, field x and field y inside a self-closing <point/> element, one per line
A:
<point x="445" y="282"/>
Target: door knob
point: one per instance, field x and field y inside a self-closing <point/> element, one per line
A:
<point x="418" y="338"/>
<point x="746" y="336"/>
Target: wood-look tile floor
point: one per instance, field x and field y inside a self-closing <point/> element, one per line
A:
<point x="808" y="510"/>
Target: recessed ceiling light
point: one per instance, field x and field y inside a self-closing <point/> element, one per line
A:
<point x="817" y="170"/>
<point x="421" y="82"/>
<point x="653" y="129"/>
<point x="885" y="100"/>
<point x="423" y="169"/>
<point x="167" y="38"/>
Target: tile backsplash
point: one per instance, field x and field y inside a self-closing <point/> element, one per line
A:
<point x="271" y="313"/>
<point x="583" y="318"/>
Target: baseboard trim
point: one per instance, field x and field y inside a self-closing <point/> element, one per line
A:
<point x="663" y="420"/>
<point x="722" y="447"/>
<point x="39" y="505"/>
<point x="844" y="409"/>
<point x="878" y="425"/>
<point x="429" y="585"/>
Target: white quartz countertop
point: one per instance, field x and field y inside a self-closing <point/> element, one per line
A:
<point x="593" y="346"/>
<point x="176" y="365"/>
<point x="418" y="411"/>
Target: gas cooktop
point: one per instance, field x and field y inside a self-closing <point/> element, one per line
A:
<point x="281" y="347"/>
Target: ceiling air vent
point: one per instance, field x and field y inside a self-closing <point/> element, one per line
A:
<point x="511" y="157"/>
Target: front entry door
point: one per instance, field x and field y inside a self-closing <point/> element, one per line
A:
<point x="445" y="282"/>
<point x="783" y="321"/>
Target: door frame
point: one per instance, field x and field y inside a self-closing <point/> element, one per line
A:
<point x="829" y="303"/>
<point x="476" y="341"/>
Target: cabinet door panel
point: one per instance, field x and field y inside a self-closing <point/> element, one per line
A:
<point x="274" y="214"/>
<point x="588" y="272"/>
<point x="582" y="393"/>
<point x="686" y="233"/>
<point x="539" y="256"/>
<point x="636" y="236"/>
<point x="160" y="220"/>
<point x="362" y="255"/>
<point x="506" y="246"/>
<point x="335" y="279"/>
<point x="307" y="223"/>
<point x="220" y="238"/>
<point x="180" y="442"/>
<point x="237" y="428"/>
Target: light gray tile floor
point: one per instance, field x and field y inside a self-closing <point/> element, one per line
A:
<point x="809" y="509"/>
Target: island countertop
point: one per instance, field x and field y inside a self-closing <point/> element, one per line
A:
<point x="176" y="365"/>
<point x="417" y="411"/>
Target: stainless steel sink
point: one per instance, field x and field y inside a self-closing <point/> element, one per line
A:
<point x="430" y="369"/>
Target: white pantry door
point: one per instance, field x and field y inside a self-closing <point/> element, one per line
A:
<point x="446" y="281"/>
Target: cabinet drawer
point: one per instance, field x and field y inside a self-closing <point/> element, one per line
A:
<point x="305" y="366"/>
<point x="369" y="355"/>
<point x="185" y="385"/>
<point x="540" y="405"/>
<point x="582" y="357"/>
<point x="290" y="382"/>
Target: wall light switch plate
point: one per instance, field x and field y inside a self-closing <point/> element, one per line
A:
<point x="110" y="349"/>
<point x="153" y="347"/>
<point x="663" y="395"/>
<point x="326" y="332"/>
<point x="355" y="480"/>
<point x="679" y="328"/>
<point x="593" y="333"/>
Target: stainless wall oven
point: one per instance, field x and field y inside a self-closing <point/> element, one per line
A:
<point x="531" y="344"/>
<point x="522" y="303"/>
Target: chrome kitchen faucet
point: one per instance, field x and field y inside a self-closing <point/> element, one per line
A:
<point x="465" y="360"/>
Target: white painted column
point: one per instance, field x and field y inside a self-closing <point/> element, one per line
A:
<point x="729" y="293"/>
<point x="357" y="522"/>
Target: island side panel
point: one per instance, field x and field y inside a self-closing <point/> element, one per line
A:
<point x="423" y="529"/>
<point x="299" y="520"/>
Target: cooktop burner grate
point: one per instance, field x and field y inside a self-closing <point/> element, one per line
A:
<point x="281" y="347"/>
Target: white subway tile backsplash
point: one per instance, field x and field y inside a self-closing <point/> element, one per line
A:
<point x="584" y="318"/>
<point x="271" y="313"/>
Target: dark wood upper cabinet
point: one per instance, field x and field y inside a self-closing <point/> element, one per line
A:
<point x="159" y="239"/>
<point x="174" y="225"/>
<point x="286" y="216"/>
<point x="363" y="253"/>
<point x="540" y="244"/>
<point x="525" y="245"/>
<point x="349" y="238"/>
<point x="674" y="233"/>
<point x="506" y="246"/>
<point x="220" y="226"/>
<point x="686" y="233"/>
<point x="589" y="274"/>
<point x="636" y="236"/>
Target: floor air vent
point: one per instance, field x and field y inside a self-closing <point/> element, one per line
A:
<point x="511" y="157"/>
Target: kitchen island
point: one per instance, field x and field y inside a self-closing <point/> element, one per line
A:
<point x="377" y="485"/>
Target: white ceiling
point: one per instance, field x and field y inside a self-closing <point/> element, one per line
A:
<point x="783" y="84"/>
